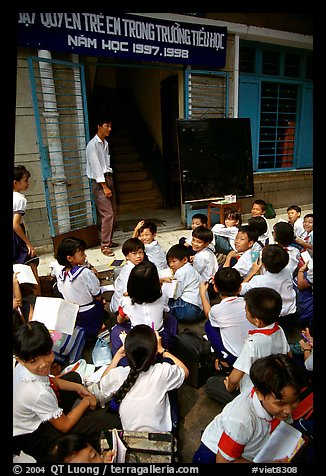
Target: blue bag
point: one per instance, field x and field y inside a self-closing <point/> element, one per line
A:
<point x="68" y="348"/>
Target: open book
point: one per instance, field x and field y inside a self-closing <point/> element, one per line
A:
<point x="24" y="274"/>
<point x="285" y="441"/>
<point x="56" y="314"/>
<point x="110" y="439"/>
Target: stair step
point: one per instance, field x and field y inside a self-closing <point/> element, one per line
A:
<point x="139" y="196"/>
<point x="129" y="166"/>
<point x="138" y="206"/>
<point x="134" y="185"/>
<point x="123" y="148"/>
<point x="130" y="176"/>
<point x="128" y="157"/>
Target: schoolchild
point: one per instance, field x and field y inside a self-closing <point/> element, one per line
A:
<point x="204" y="261"/>
<point x="186" y="304"/>
<point x="284" y="236"/>
<point x="241" y="257"/>
<point x="237" y="433"/>
<point x="296" y="220"/>
<point x="258" y="208"/>
<point x="78" y="284"/>
<point x="227" y="326"/>
<point x="305" y="296"/>
<point x="276" y="276"/>
<point x="198" y="219"/>
<point x="24" y="252"/>
<point x="146" y="303"/>
<point x="146" y="231"/>
<point x="263" y="308"/>
<point x="134" y="251"/>
<point x="75" y="448"/>
<point x="45" y="407"/>
<point x="306" y="240"/>
<point x="140" y="390"/>
<point x="225" y="233"/>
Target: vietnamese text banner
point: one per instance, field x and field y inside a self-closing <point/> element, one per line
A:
<point x="124" y="36"/>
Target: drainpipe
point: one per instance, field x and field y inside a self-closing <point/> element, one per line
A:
<point x="51" y="117"/>
<point x="81" y="139"/>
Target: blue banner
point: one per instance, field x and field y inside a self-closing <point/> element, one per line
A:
<point x="123" y="36"/>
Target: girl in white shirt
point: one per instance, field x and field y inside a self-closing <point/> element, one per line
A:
<point x="140" y="390"/>
<point x="44" y="407"/>
<point x="145" y="303"/>
<point x="23" y="250"/>
<point x="78" y="284"/>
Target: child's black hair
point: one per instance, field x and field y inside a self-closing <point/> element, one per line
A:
<point x="202" y="217"/>
<point x="20" y="171"/>
<point x="283" y="233"/>
<point x="140" y="348"/>
<point x="274" y="257"/>
<point x="132" y="245"/>
<point x="228" y="281"/>
<point x="68" y="247"/>
<point x="308" y="215"/>
<point x="261" y="203"/>
<point x="250" y="231"/>
<point x="264" y="303"/>
<point x="294" y="207"/>
<point x="203" y="233"/>
<point x="143" y="284"/>
<point x="258" y="223"/>
<point x="65" y="447"/>
<point x="270" y="375"/>
<point x="179" y="252"/>
<point x="32" y="340"/>
<point x="151" y="226"/>
<point x="233" y="214"/>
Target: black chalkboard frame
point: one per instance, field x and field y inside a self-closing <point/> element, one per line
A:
<point x="215" y="158"/>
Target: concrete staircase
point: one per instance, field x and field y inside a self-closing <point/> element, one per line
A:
<point x="135" y="188"/>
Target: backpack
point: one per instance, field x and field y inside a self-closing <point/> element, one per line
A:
<point x="68" y="348"/>
<point x="196" y="353"/>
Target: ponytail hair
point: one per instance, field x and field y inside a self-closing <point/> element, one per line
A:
<point x="140" y="348"/>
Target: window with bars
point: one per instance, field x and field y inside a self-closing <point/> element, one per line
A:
<point x="278" y="106"/>
<point x="276" y="94"/>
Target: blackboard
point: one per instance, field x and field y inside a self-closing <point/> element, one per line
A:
<point x="215" y="158"/>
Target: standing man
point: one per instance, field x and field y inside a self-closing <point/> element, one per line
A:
<point x="99" y="170"/>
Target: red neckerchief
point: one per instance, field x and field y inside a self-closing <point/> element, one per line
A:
<point x="54" y="387"/>
<point x="275" y="421"/>
<point x="265" y="331"/>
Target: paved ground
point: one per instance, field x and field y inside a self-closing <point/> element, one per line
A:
<point x="196" y="408"/>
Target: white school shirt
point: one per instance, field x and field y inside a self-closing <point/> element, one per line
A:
<point x="259" y="343"/>
<point x="230" y="316"/>
<point x="19" y="203"/>
<point x="155" y="254"/>
<point x="298" y="229"/>
<point x="294" y="257"/>
<point x="80" y="285"/>
<point x="244" y="263"/>
<point x="229" y="232"/>
<point x="97" y="159"/>
<point x="188" y="281"/>
<point x="34" y="401"/>
<point x="205" y="263"/>
<point x="282" y="282"/>
<point x="146" y="406"/>
<point x="147" y="312"/>
<point x="120" y="285"/>
<point x="241" y="429"/>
